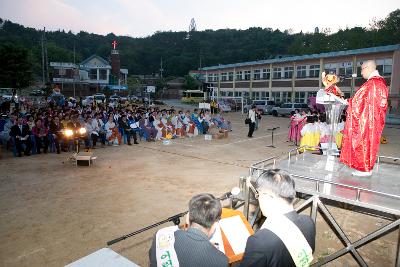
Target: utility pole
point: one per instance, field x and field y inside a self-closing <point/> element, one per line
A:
<point x="45" y="55"/>
<point x="74" y="75"/>
<point x="161" y="69"/>
<point x="42" y="41"/>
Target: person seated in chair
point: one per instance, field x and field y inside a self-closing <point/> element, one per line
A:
<point x="20" y="134"/>
<point x="55" y="128"/>
<point x="40" y="132"/>
<point x="191" y="247"/>
<point x="128" y="130"/>
<point x="286" y="238"/>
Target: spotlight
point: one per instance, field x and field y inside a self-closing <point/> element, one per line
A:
<point x="82" y="131"/>
<point x="68" y="132"/>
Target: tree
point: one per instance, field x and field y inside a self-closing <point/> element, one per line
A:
<point x="191" y="83"/>
<point x="15" y="66"/>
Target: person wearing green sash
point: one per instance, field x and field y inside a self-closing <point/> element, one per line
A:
<point x="286" y="238"/>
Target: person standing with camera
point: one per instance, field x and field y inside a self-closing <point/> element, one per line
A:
<point x="252" y="123"/>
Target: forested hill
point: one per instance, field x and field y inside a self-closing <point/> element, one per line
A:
<point x="179" y="54"/>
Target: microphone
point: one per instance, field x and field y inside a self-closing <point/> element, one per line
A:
<point x="273" y="129"/>
<point x="234" y="192"/>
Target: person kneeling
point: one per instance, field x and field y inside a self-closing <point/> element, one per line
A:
<point x="286" y="238"/>
<point x="191" y="247"/>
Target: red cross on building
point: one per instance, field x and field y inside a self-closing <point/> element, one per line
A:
<point x="114" y="43"/>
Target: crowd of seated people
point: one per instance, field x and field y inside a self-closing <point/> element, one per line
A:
<point x="42" y="128"/>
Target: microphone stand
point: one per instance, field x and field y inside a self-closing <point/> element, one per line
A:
<point x="272" y="136"/>
<point x="175" y="219"/>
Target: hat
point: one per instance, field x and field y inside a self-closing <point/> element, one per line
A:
<point x="329" y="79"/>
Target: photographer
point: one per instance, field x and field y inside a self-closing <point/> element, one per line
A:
<point x="286" y="238"/>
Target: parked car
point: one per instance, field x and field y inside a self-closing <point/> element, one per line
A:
<point x="224" y="106"/>
<point x="235" y="104"/>
<point x="133" y="98"/>
<point x="287" y="108"/>
<point x="37" y="92"/>
<point x="7" y="97"/>
<point x="264" y="106"/>
<point x="88" y="100"/>
<point x="99" y="98"/>
<point x="114" y="98"/>
<point x="123" y="98"/>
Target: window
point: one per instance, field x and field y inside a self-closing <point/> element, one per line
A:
<point x="264" y="95"/>
<point x="213" y="77"/>
<point x="277" y="73"/>
<point x="230" y="76"/>
<point x="103" y="74"/>
<point x="288" y="72"/>
<point x="239" y="75"/>
<point x="346" y="69"/>
<point x="384" y="66"/>
<point x="256" y="95"/>
<point x="224" y="76"/>
<point x="223" y="93"/>
<point x="93" y="74"/>
<point x="300" y="97"/>
<point x="245" y="94"/>
<point x="276" y="96"/>
<point x="266" y="73"/>
<point x="314" y="71"/>
<point x="257" y="75"/>
<point x="229" y="93"/>
<point x="238" y="94"/>
<point x="287" y="96"/>
<point x="247" y="74"/>
<point x="301" y="71"/>
<point x="331" y="68"/>
<point x="310" y="94"/>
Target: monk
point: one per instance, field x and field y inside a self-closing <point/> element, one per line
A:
<point x="365" y="120"/>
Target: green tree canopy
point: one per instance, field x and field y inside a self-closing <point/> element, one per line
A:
<point x="15" y="66"/>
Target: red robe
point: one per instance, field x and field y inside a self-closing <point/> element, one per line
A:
<point x="333" y="89"/>
<point x="365" y="120"/>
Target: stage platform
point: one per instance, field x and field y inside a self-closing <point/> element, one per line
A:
<point x="322" y="180"/>
<point x="381" y="191"/>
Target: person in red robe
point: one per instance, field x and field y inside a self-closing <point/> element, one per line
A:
<point x="365" y="120"/>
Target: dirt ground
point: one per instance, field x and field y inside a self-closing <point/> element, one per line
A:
<point x="53" y="213"/>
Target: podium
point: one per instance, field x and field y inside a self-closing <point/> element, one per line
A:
<point x="334" y="107"/>
<point x="229" y="213"/>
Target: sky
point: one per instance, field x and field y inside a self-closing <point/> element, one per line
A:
<point x="140" y="18"/>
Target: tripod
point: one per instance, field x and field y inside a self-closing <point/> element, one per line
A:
<point x="272" y="137"/>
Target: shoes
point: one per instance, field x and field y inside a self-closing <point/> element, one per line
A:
<point x="361" y="174"/>
<point x="129" y="144"/>
<point x="250" y="136"/>
<point x="136" y="143"/>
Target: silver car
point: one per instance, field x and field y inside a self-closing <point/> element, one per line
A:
<point x="264" y="106"/>
<point x="287" y="108"/>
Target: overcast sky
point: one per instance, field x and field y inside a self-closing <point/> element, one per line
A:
<point x="140" y="18"/>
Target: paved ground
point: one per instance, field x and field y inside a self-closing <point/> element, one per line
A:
<point x="52" y="213"/>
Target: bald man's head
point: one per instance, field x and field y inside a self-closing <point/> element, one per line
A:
<point x="367" y="68"/>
